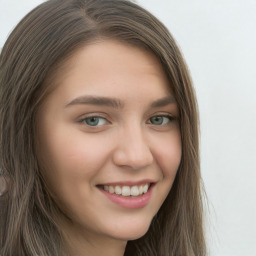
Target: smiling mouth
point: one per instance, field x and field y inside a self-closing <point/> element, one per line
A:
<point x="125" y="190"/>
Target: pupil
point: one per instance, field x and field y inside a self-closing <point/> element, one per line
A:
<point x="157" y="120"/>
<point x="92" y="121"/>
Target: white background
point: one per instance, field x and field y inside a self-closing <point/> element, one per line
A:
<point x="218" y="40"/>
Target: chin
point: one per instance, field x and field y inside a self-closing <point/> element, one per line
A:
<point x="132" y="231"/>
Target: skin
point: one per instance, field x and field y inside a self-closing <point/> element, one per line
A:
<point x="127" y="144"/>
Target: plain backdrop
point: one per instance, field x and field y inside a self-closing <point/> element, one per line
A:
<point x="218" y="40"/>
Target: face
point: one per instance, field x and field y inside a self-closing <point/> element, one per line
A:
<point x="109" y="140"/>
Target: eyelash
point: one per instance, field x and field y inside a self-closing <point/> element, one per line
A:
<point x="83" y="120"/>
<point x="100" y="118"/>
<point x="169" y="117"/>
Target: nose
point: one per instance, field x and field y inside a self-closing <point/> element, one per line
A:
<point x="132" y="150"/>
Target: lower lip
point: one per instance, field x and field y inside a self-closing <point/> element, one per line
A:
<point x="130" y="202"/>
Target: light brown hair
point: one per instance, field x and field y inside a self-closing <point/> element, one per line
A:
<point x="32" y="55"/>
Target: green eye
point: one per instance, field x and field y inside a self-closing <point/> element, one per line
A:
<point x="94" y="121"/>
<point x="160" y="120"/>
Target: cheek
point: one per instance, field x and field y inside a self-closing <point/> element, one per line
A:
<point x="168" y="155"/>
<point x="73" y="155"/>
<point x="71" y="164"/>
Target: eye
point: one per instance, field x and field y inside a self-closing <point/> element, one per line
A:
<point x="94" y="121"/>
<point x="160" y="120"/>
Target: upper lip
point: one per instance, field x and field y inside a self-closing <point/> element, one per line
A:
<point x="128" y="183"/>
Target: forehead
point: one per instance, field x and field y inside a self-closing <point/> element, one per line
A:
<point x="108" y="65"/>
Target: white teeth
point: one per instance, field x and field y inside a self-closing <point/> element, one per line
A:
<point x="118" y="190"/>
<point x="145" y="188"/>
<point x="127" y="190"/>
<point x="141" y="190"/>
<point x="111" y="189"/>
<point x="135" y="191"/>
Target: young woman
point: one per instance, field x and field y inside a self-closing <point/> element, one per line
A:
<point x="99" y="135"/>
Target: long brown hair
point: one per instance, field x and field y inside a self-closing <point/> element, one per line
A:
<point x="32" y="55"/>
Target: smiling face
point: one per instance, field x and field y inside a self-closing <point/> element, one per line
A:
<point x="110" y="127"/>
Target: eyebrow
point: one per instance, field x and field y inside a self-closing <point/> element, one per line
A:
<point x="163" y="102"/>
<point x="116" y="103"/>
<point x="96" y="100"/>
